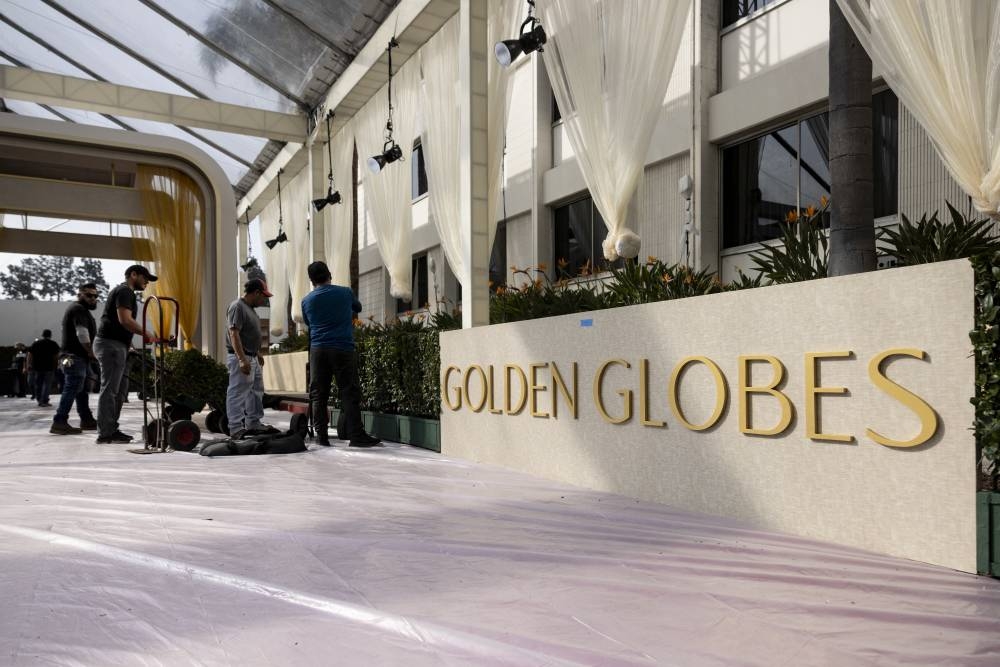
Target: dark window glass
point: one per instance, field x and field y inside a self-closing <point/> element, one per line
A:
<point x="556" y="113"/>
<point x="579" y="233"/>
<point x="418" y="173"/>
<point x="765" y="178"/>
<point x="734" y="10"/>
<point x="759" y="181"/>
<point x="419" y="287"/>
<point x="885" y="152"/>
<point x="498" y="257"/>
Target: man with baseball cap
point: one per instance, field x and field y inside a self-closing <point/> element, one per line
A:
<point x="245" y="395"/>
<point x="114" y="336"/>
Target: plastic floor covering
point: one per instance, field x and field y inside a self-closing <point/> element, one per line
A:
<point x="399" y="556"/>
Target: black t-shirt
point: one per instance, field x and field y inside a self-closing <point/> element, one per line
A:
<point x="76" y="315"/>
<point x="121" y="296"/>
<point x="43" y="354"/>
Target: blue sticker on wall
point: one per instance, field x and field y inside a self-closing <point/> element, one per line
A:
<point x="586" y="323"/>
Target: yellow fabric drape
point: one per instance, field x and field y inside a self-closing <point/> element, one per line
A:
<point x="174" y="227"/>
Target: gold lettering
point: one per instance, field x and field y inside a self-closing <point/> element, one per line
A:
<point x="644" y="396"/>
<point x="493" y="410"/>
<point x="626" y="394"/>
<point x="534" y="389"/>
<point x="482" y="381"/>
<point x="721" y="392"/>
<point x="746" y="389"/>
<point x="458" y="390"/>
<point x="524" y="389"/>
<point x="928" y="418"/>
<point x="560" y="384"/>
<point x="813" y="393"/>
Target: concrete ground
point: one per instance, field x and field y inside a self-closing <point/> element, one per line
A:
<point x="400" y="556"/>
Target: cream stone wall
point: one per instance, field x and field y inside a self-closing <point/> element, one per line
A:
<point x="286" y="373"/>
<point x="915" y="502"/>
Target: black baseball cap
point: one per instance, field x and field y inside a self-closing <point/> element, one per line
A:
<point x="256" y="285"/>
<point x="319" y="272"/>
<point x="142" y="270"/>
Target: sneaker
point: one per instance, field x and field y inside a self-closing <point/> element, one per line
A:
<point x="364" y="440"/>
<point x="45" y="405"/>
<point x="239" y="434"/>
<point x="88" y="424"/>
<point x="63" y="428"/>
<point x="116" y="437"/>
<point x="262" y="429"/>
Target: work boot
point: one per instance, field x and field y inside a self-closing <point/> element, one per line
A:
<point x="322" y="438"/>
<point x="88" y="424"/>
<point x="364" y="440"/>
<point x="63" y="428"/>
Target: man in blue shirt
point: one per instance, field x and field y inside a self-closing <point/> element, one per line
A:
<point x="329" y="313"/>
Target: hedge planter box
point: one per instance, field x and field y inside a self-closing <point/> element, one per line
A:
<point x="988" y="532"/>
<point x="420" y="432"/>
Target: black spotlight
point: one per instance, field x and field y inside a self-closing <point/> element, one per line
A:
<point x="390" y="153"/>
<point x="251" y="263"/>
<point x="280" y="238"/>
<point x="532" y="38"/>
<point x="331" y="196"/>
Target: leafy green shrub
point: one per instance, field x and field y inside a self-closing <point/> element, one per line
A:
<point x="653" y="280"/>
<point x="986" y="349"/>
<point x="298" y="342"/>
<point x="189" y="377"/>
<point x="805" y="254"/>
<point x="398" y="366"/>
<point x="931" y="240"/>
<point x="538" y="297"/>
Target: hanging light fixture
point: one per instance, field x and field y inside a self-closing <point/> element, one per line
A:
<point x="331" y="196"/>
<point x="251" y="260"/>
<point x="281" y="237"/>
<point x="532" y="38"/>
<point x="391" y="152"/>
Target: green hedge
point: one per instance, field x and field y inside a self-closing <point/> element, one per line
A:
<point x="398" y="365"/>
<point x="986" y="348"/>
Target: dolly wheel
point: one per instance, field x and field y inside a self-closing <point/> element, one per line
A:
<point x="183" y="435"/>
<point x="299" y="423"/>
<point x="212" y="421"/>
<point x="153" y="430"/>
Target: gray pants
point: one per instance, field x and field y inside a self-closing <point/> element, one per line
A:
<point x="112" y="356"/>
<point x="245" y="395"/>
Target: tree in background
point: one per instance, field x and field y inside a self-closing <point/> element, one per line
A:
<point x="51" y="278"/>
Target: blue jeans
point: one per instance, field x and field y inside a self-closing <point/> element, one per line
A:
<point x="111" y="355"/>
<point x="74" y="390"/>
<point x="43" y="384"/>
<point x="245" y="395"/>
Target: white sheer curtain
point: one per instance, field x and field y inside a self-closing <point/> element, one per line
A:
<point x="503" y="22"/>
<point x="609" y="62"/>
<point x="298" y="210"/>
<point x="440" y="140"/>
<point x="277" y="268"/>
<point x="338" y="236"/>
<point x="942" y="59"/>
<point x="387" y="194"/>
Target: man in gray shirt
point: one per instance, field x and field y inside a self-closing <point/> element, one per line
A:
<point x="245" y="395"/>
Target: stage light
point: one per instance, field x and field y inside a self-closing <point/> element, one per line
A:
<point x="531" y="38"/>
<point x="251" y="263"/>
<point x="331" y="196"/>
<point x="390" y="153"/>
<point x="280" y="238"/>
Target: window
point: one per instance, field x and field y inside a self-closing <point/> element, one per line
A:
<point x="556" y="113"/>
<point x="419" y="287"/>
<point x="765" y="178"/>
<point x="498" y="257"/>
<point x="734" y="10"/>
<point x="579" y="232"/>
<point x="418" y="172"/>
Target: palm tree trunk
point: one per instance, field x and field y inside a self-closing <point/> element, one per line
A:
<point x="852" y="201"/>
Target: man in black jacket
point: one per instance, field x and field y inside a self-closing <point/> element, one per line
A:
<point x="78" y="332"/>
<point x="42" y="357"/>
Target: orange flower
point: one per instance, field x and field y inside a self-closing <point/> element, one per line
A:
<point x="823" y="201"/>
<point x="650" y="259"/>
<point x="499" y="290"/>
<point x="489" y="283"/>
<point x="538" y="282"/>
<point x="585" y="269"/>
<point x="792" y="216"/>
<point x="810" y="211"/>
<point x="513" y="268"/>
<point x="542" y="266"/>
<point x="562" y="263"/>
<point x="667" y="278"/>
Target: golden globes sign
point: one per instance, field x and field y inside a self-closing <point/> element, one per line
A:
<point x="476" y="388"/>
<point x="836" y="409"/>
